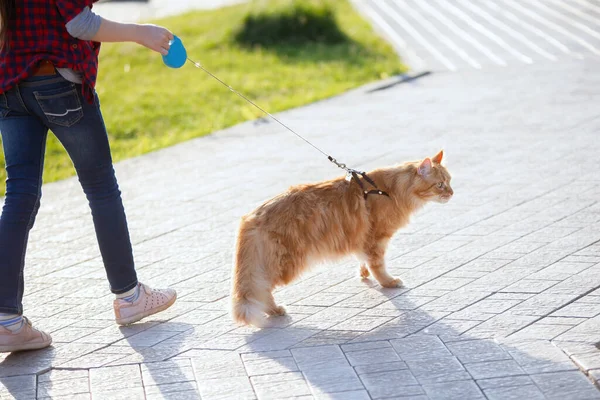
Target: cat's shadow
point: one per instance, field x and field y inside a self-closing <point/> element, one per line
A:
<point x="412" y="352"/>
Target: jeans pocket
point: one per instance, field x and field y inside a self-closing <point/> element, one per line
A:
<point x="3" y="106"/>
<point x="60" y="106"/>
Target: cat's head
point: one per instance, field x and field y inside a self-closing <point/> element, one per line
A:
<point x="433" y="180"/>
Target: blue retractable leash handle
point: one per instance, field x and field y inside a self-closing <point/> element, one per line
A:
<point x="177" y="55"/>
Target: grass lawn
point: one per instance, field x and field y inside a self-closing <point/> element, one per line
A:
<point x="148" y="106"/>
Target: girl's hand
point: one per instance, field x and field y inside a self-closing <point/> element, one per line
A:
<point x="155" y="38"/>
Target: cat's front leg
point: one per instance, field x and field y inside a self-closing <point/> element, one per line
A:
<point x="375" y="256"/>
<point x="376" y="264"/>
<point x="382" y="276"/>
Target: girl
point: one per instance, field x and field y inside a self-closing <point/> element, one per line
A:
<point x="49" y="62"/>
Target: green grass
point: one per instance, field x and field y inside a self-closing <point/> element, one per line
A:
<point x="148" y="106"/>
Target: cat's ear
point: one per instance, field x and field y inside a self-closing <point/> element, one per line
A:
<point x="425" y="167"/>
<point x="438" y="157"/>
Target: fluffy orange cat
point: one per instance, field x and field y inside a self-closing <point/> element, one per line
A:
<point x="323" y="221"/>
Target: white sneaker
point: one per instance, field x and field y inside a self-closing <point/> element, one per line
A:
<point x="26" y="338"/>
<point x="149" y="302"/>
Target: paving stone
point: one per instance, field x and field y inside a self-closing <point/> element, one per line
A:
<point x="266" y="366"/>
<point x="450" y="327"/>
<point x="587" y="361"/>
<point x="136" y="393"/>
<point x="56" y="375"/>
<point x="281" y="340"/>
<point x="473" y="351"/>
<point x="406" y="302"/>
<point x="570" y="384"/>
<point x="226" y="388"/>
<point x="471" y="315"/>
<point x="510" y="381"/>
<point x="516" y="393"/>
<point x="319" y="357"/>
<point x="578" y="309"/>
<point x="229" y="366"/>
<point x="80" y="396"/>
<point x="383" y="367"/>
<point x="332" y="380"/>
<point x="390" y="383"/>
<point x="408" y="323"/>
<point x="348" y="395"/>
<point x="289" y="384"/>
<point x="539" y="356"/>
<point x="494" y="369"/>
<point x="166" y="375"/>
<point x="454" y="301"/>
<point x="541" y="331"/>
<point x="180" y="395"/>
<point x="561" y="270"/>
<point x="324" y="299"/>
<point x="494" y="306"/>
<point x="93" y="360"/>
<point x="18" y="387"/>
<point x="501" y="325"/>
<point x="361" y="323"/>
<point x="562" y="320"/>
<point x="595" y="375"/>
<point x="69" y="387"/>
<point x="571" y="348"/>
<point x="529" y="286"/>
<point x="366" y="346"/>
<point x="420" y="347"/>
<point x="115" y="378"/>
<point x="186" y="389"/>
<point x="372" y="356"/>
<point x="69" y="334"/>
<point x="442" y="369"/>
<point x="447" y="283"/>
<point x="329" y="338"/>
<point x="266" y="355"/>
<point x="453" y="390"/>
<point x="327" y="318"/>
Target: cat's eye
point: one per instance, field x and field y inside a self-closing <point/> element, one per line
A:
<point x="440" y="185"/>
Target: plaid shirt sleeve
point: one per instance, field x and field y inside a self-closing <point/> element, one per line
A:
<point x="69" y="9"/>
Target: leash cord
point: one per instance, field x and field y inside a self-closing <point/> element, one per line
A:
<point x="350" y="173"/>
<point x="330" y="158"/>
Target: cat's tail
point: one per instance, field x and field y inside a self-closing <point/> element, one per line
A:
<point x="249" y="286"/>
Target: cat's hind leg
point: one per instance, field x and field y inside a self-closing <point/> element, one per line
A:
<point x="364" y="271"/>
<point x="272" y="307"/>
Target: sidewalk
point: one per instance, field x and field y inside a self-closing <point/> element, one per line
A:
<point x="502" y="295"/>
<point x="501" y="283"/>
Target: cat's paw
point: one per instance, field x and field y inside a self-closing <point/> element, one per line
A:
<point x="278" y="311"/>
<point x="392" y="283"/>
<point x="364" y="272"/>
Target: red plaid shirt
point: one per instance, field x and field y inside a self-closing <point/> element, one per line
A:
<point x="39" y="33"/>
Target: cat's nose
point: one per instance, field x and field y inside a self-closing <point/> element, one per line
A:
<point x="450" y="192"/>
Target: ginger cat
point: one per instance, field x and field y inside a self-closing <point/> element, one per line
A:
<point x="323" y="221"/>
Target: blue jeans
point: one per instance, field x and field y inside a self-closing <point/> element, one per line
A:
<point x="27" y="112"/>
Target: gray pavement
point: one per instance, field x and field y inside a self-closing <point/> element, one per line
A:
<point x="454" y="35"/>
<point x="502" y="295"/>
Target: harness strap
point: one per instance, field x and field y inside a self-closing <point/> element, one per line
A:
<point x="355" y="175"/>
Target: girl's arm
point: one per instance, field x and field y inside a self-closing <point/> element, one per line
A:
<point x="89" y="26"/>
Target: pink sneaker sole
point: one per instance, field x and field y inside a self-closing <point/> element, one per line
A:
<point x="25" y="347"/>
<point x="142" y="315"/>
